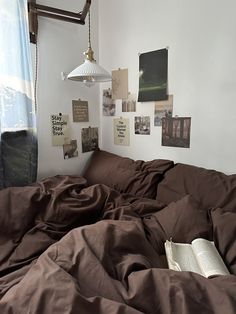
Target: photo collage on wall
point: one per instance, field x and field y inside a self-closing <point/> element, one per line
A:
<point x="153" y="87"/>
<point x="61" y="131"/>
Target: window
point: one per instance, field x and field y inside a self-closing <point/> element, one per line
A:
<point x="16" y="86"/>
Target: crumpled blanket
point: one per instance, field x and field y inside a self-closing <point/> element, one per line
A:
<point x="69" y="248"/>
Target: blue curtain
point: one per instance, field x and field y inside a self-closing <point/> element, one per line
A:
<point x="18" y="141"/>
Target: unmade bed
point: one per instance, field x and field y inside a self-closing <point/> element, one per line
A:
<point x="95" y="243"/>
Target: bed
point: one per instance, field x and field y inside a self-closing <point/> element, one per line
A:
<point x="95" y="243"/>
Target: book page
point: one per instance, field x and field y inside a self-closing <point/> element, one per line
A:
<point x="208" y="258"/>
<point x="181" y="257"/>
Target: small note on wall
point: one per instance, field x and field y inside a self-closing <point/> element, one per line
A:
<point x="120" y="84"/>
<point x="80" y="111"/>
<point x="60" y="129"/>
<point x="121" y="131"/>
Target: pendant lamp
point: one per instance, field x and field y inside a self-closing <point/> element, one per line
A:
<point x="89" y="72"/>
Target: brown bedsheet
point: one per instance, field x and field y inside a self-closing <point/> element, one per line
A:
<point x="68" y="248"/>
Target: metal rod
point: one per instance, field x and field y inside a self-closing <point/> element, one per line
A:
<point x="33" y="21"/>
<point x="60" y="17"/>
<point x="50" y="12"/>
<point x="85" y="9"/>
<point x="40" y="8"/>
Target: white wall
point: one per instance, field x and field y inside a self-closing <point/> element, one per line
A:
<point x="202" y="73"/>
<point x="60" y="48"/>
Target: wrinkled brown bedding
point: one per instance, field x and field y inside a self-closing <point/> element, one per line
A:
<point x="68" y="248"/>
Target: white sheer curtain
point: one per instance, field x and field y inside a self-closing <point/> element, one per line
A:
<point x="18" y="153"/>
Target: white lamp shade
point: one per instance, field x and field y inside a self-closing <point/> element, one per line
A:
<point x="89" y="71"/>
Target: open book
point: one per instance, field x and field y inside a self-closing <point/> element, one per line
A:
<point x="201" y="256"/>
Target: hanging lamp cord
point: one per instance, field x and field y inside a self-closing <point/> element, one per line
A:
<point x="89" y="53"/>
<point x="89" y="31"/>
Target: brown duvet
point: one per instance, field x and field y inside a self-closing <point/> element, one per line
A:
<point x="68" y="248"/>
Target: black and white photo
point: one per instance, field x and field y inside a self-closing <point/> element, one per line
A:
<point x="142" y="125"/>
<point x="89" y="137"/>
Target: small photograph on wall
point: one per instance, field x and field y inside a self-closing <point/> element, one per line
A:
<point x="129" y="105"/>
<point x="163" y="109"/>
<point x="108" y="104"/>
<point x="80" y="111"/>
<point x="153" y="67"/>
<point x="89" y="137"/>
<point x="70" y="150"/>
<point x="121" y="131"/>
<point x="142" y="125"/>
<point x="176" y="132"/>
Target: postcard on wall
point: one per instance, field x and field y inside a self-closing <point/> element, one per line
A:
<point x="80" y="111"/>
<point x="120" y="84"/>
<point x="89" y="138"/>
<point x="163" y="109"/>
<point x="60" y="129"/>
<point x="153" y="70"/>
<point x="70" y="150"/>
<point x="129" y="104"/>
<point x="142" y="125"/>
<point x="176" y="132"/>
<point x="121" y="131"/>
<point x="108" y="104"/>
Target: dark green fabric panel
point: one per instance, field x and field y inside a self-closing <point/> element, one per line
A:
<point x="19" y="154"/>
